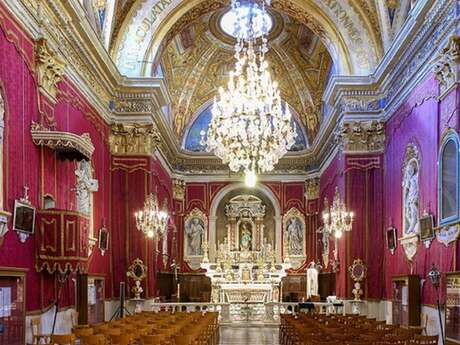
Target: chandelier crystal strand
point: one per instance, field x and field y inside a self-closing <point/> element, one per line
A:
<point x="152" y="220"/>
<point x="249" y="130"/>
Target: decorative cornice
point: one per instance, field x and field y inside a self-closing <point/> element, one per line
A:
<point x="446" y="66"/>
<point x="50" y="69"/>
<point x="133" y="139"/>
<point x="62" y="141"/>
<point x="362" y="136"/>
<point x="312" y="188"/>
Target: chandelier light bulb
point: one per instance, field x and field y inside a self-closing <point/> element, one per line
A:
<point x="150" y="234"/>
<point x="251" y="179"/>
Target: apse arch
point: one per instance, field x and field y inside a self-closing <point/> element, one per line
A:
<point x="153" y="22"/>
<point x="225" y="191"/>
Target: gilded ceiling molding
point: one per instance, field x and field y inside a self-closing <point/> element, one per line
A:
<point x="133" y="139"/>
<point x="312" y="188"/>
<point x="362" y="136"/>
<point x="50" y="69"/>
<point x="71" y="144"/>
<point x="447" y="65"/>
<point x="178" y="189"/>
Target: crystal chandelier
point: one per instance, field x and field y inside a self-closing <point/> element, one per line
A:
<point x="152" y="220"/>
<point x="250" y="130"/>
<point x="336" y="219"/>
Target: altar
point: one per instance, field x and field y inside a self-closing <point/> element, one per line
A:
<point x="244" y="273"/>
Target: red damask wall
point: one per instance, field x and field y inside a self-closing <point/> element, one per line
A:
<point x="38" y="168"/>
<point x="422" y="120"/>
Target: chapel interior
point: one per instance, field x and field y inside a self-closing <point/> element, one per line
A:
<point x="229" y="172"/>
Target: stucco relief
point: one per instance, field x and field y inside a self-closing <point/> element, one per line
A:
<point x="411" y="201"/>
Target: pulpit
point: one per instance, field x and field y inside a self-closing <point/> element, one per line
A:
<point x="61" y="241"/>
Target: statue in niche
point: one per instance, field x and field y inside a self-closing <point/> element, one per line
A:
<point x="245" y="236"/>
<point x="85" y="186"/>
<point x="411" y="198"/>
<point x="295" y="236"/>
<point x="194" y="231"/>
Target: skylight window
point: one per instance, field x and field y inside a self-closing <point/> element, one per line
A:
<point x="237" y="22"/>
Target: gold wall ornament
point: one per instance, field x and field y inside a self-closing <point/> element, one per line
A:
<point x="312" y="188"/>
<point x="137" y="272"/>
<point x="357" y="271"/>
<point x="178" y="189"/>
<point x="446" y="66"/>
<point x="362" y="136"/>
<point x="50" y="69"/>
<point x="133" y="139"/>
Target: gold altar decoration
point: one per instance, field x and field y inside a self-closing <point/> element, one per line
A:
<point x="50" y="69"/>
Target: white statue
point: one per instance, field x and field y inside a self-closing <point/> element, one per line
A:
<point x="312" y="280"/>
<point x="295" y="237"/>
<point x="85" y="186"/>
<point x="411" y="199"/>
<point x="137" y="289"/>
<point x="194" y="231"/>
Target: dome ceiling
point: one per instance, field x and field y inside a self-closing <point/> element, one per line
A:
<point x="197" y="61"/>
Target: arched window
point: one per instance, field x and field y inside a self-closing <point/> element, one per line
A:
<point x="448" y="177"/>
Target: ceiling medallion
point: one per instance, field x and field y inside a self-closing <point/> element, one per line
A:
<point x="250" y="130"/>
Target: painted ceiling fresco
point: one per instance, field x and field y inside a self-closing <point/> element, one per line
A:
<point x="198" y="59"/>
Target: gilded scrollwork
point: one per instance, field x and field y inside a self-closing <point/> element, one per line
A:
<point x="50" y="68"/>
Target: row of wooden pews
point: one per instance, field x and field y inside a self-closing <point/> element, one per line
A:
<point x="316" y="329"/>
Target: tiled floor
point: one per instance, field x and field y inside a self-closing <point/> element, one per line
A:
<point x="239" y="335"/>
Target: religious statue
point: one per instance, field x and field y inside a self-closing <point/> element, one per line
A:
<point x="246" y="238"/>
<point x="85" y="186"/>
<point x="194" y="231"/>
<point x="312" y="280"/>
<point x="295" y="236"/>
<point x="411" y="199"/>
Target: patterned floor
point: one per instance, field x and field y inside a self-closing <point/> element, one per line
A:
<point x="248" y="335"/>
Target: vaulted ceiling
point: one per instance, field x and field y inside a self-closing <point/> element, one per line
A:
<point x="181" y="41"/>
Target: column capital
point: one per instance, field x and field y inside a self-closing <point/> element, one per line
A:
<point x="133" y="139"/>
<point x="312" y="188"/>
<point x="446" y="65"/>
<point x="361" y="136"/>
